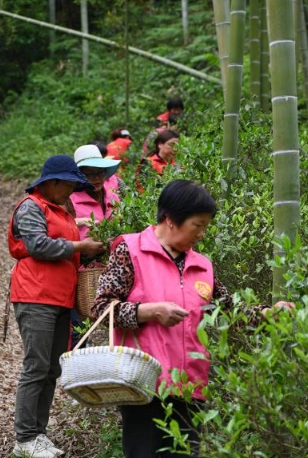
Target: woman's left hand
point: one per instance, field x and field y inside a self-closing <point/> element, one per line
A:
<point x="280" y="305"/>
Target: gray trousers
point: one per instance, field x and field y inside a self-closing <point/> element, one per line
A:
<point x="45" y="331"/>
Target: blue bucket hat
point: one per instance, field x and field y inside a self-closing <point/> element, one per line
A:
<point x="90" y="156"/>
<point x="62" y="167"/>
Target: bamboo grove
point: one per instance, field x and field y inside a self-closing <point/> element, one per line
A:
<point x="273" y="34"/>
<point x="278" y="50"/>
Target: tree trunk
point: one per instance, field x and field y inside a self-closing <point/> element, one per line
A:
<point x="255" y="65"/>
<point x="85" y="43"/>
<point x="222" y="22"/>
<point x="285" y="128"/>
<point x="233" y="92"/>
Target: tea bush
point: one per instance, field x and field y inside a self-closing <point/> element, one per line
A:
<point x="256" y="398"/>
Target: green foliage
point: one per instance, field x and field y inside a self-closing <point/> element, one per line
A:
<point x="111" y="437"/>
<point x="83" y="327"/>
<point x="256" y="398"/>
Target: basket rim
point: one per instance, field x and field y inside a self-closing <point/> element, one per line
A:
<point x="107" y="350"/>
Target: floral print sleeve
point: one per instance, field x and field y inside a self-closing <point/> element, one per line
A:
<point x="116" y="282"/>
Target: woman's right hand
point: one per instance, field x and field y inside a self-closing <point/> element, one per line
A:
<point x="165" y="313"/>
<point x="89" y="246"/>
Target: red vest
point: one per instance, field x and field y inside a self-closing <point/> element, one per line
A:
<point x="118" y="149"/>
<point x="164" y="117"/>
<point x="158" y="279"/>
<point x="45" y="282"/>
<point x="158" y="163"/>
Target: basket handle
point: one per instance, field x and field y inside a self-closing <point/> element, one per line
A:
<point x="110" y="310"/>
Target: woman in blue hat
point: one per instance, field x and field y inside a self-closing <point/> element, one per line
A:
<point x="45" y="241"/>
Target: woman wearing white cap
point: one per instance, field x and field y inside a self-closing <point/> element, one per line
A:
<point x="101" y="199"/>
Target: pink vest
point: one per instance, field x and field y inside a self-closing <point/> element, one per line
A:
<point x="111" y="184"/>
<point x="158" y="279"/>
<point x="84" y="205"/>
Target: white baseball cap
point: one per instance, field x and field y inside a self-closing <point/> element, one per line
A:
<point x="90" y="156"/>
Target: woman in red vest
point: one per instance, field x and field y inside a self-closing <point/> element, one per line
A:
<point x="44" y="239"/>
<point x="119" y="145"/>
<point x="174" y="106"/>
<point x="161" y="157"/>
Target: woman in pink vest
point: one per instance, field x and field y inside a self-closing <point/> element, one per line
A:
<point x="101" y="199"/>
<point x="164" y="288"/>
<point x="45" y="241"/>
<point x="163" y="285"/>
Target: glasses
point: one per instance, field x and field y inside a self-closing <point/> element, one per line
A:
<point x="93" y="175"/>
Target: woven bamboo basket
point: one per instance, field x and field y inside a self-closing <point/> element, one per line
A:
<point x="109" y="375"/>
<point x="86" y="289"/>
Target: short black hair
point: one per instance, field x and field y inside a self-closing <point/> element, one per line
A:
<point x="181" y="199"/>
<point x="176" y="102"/>
<point x="163" y="137"/>
<point x="101" y="146"/>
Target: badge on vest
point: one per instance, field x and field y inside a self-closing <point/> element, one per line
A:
<point x="203" y="289"/>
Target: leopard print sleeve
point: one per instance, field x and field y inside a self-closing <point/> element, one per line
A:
<point x="116" y="282"/>
<point x="221" y="294"/>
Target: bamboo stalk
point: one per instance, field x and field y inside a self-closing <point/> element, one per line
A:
<point x="234" y="90"/>
<point x="285" y="128"/>
<point x="162" y="60"/>
<point x="265" y="77"/>
<point x="255" y="64"/>
<point x="85" y="43"/>
<point x="126" y="67"/>
<point x="303" y="48"/>
<point x="222" y="23"/>
<point x="52" y="20"/>
<point x="296" y="21"/>
<point x="185" y="21"/>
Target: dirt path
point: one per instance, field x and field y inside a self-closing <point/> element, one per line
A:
<point x="74" y="429"/>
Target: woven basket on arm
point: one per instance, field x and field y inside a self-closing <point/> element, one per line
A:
<point x="109" y="375"/>
<point x="86" y="289"/>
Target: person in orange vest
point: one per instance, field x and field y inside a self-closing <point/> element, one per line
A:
<point x="118" y="147"/>
<point x="44" y="240"/>
<point x="161" y="157"/>
<point x="172" y="124"/>
<point x="174" y="106"/>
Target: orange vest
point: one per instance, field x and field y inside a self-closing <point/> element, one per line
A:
<point x="158" y="163"/>
<point x="118" y="149"/>
<point x="45" y="282"/>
